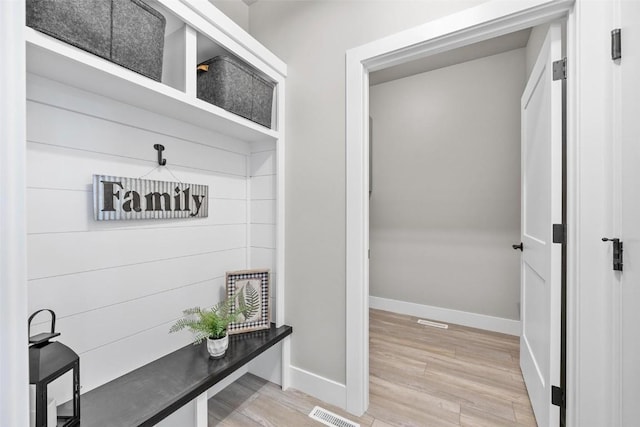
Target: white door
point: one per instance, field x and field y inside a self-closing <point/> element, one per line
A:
<point x="629" y="278"/>
<point x="540" y="280"/>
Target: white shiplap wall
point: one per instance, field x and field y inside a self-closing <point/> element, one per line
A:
<point x="262" y="207"/>
<point x="117" y="286"/>
<point x="262" y="236"/>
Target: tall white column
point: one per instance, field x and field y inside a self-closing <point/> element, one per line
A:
<point x="14" y="375"/>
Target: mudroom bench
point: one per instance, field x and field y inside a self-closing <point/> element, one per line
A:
<point x="149" y="394"/>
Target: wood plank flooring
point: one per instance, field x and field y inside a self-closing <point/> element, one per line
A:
<point x="419" y="376"/>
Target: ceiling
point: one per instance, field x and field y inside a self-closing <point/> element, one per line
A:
<point x="489" y="47"/>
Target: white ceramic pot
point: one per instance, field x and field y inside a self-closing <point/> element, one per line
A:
<point x="218" y="347"/>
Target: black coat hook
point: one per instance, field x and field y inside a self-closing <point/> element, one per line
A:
<point x="160" y="149"/>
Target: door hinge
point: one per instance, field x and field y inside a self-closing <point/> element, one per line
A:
<point x="557" y="396"/>
<point x="617" y="252"/>
<point x="560" y="69"/>
<point x="559" y="233"/>
<point x="616" y="44"/>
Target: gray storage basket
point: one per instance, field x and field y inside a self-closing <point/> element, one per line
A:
<point x="82" y="23"/>
<point x="127" y="32"/>
<point x="237" y="88"/>
<point x="138" y="37"/>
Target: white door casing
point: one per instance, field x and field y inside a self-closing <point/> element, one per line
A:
<point x="14" y="356"/>
<point x="589" y="397"/>
<point x="541" y="121"/>
<point x="628" y="213"/>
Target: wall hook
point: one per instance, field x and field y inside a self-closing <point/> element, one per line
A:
<point x="160" y="149"/>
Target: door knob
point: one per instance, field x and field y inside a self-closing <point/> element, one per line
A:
<point x="518" y="246"/>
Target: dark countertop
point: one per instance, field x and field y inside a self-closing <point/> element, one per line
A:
<point x="149" y="394"/>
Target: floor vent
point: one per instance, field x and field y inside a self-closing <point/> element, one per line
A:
<point x="330" y="419"/>
<point x="433" y="324"/>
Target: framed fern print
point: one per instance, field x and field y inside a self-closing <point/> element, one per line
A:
<point x="249" y="291"/>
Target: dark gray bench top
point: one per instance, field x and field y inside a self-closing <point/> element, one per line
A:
<point x="149" y="394"/>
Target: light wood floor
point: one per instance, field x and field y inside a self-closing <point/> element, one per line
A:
<point x="419" y="376"/>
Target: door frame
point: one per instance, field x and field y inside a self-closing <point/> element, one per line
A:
<point x="480" y="23"/>
<point x="14" y="360"/>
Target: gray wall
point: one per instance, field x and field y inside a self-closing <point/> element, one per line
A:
<point x="312" y="38"/>
<point x="237" y="10"/>
<point x="536" y="38"/>
<point x="445" y="208"/>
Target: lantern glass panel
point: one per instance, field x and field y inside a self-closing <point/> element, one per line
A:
<point x="61" y="390"/>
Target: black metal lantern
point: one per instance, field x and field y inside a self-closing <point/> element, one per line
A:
<point x="47" y="362"/>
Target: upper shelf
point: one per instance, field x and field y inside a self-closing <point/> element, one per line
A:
<point x="56" y="60"/>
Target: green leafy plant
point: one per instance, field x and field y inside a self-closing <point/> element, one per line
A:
<point x="211" y="323"/>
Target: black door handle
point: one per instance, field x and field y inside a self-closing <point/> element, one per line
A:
<point x="518" y="246"/>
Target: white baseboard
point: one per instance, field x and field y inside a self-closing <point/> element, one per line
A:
<point x="480" y="321"/>
<point x="319" y="387"/>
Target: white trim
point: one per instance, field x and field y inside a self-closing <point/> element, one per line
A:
<point x="319" y="387"/>
<point x="357" y="265"/>
<point x="448" y="315"/>
<point x="616" y="283"/>
<point x="486" y="21"/>
<point x="573" y="355"/>
<point x="191" y="57"/>
<point x="285" y="380"/>
<point x="590" y="359"/>
<point x="247" y="188"/>
<point x="280" y="209"/>
<point x="483" y="22"/>
<point x="202" y="410"/>
<point x="14" y="370"/>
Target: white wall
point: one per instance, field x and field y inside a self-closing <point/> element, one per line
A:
<point x="445" y="208"/>
<point x="117" y="286"/>
<point x="312" y="38"/>
<point x="262" y="211"/>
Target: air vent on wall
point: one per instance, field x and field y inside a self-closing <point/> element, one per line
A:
<point x="330" y="419"/>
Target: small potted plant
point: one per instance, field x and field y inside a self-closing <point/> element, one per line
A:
<point x="208" y="324"/>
